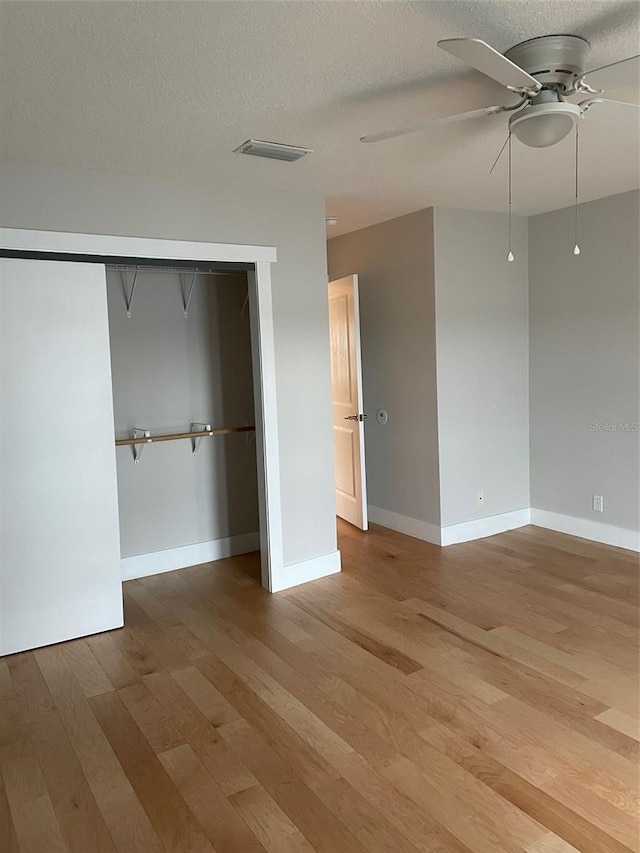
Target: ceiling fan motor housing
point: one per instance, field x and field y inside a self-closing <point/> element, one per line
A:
<point x="556" y="61"/>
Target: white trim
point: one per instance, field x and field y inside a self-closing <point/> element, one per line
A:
<point x="308" y="570"/>
<point x="266" y="417"/>
<point x="17" y="239"/>
<point x="405" y="524"/>
<point x="479" y="528"/>
<point x="262" y="344"/>
<point x="585" y="528"/>
<point x="157" y="562"/>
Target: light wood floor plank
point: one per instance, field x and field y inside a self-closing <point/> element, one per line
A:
<point x="8" y="838"/>
<point x="624" y="723"/>
<point x="126" y="820"/>
<point x="229" y="771"/>
<point x="268" y="822"/>
<point x="173" y="821"/>
<point x="73" y="802"/>
<point x="326" y="832"/>
<point x="114" y="664"/>
<point x="29" y="687"/>
<point x="222" y="823"/>
<point x="86" y="670"/>
<point x="36" y="825"/>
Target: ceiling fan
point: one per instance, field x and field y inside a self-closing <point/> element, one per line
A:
<point x="544" y="71"/>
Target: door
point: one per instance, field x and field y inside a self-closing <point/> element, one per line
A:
<point x="59" y="537"/>
<point x="348" y="417"/>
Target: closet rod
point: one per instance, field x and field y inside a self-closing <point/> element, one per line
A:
<point x="150" y="439"/>
<point x="172" y="270"/>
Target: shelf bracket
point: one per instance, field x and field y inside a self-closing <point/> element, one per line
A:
<point x="128" y="296"/>
<point x="145" y="438"/>
<point x="186" y="294"/>
<point x="195" y="442"/>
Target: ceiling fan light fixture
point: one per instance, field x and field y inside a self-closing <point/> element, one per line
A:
<point x="542" y="125"/>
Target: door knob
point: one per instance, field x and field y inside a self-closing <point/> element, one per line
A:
<point x="356" y="417"/>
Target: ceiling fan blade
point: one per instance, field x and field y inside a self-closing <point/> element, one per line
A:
<point x="425" y="125"/>
<point x="620" y="106"/>
<point x="491" y="62"/>
<point x="626" y="72"/>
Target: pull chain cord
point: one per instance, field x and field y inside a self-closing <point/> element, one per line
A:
<point x="510" y="255"/>
<point x="576" y="247"/>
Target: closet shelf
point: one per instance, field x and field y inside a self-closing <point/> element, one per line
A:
<point x="142" y="437"/>
<point x="175" y="436"/>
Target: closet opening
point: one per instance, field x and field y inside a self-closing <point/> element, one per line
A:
<point x="184" y="400"/>
<point x="67" y="357"/>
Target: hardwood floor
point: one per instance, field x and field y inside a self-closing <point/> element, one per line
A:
<point x="483" y="697"/>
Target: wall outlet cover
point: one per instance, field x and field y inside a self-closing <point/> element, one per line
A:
<point x="598" y="503"/>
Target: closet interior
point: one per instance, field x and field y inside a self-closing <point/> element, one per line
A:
<point x="183" y="400"/>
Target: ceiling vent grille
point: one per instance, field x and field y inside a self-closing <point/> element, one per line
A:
<point x="272" y="150"/>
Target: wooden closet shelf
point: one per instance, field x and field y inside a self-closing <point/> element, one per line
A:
<point x="175" y="436"/>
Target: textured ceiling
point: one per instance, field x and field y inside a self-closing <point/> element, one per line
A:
<point x="169" y="89"/>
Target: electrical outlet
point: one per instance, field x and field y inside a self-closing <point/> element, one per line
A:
<point x="598" y="503"/>
<point x="480" y="497"/>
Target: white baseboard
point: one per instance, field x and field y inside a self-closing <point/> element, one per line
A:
<point x="188" y="555"/>
<point x="405" y="524"/>
<point x="585" y="528"/>
<point x="307" y="570"/>
<point x="452" y="533"/>
<point x="479" y="528"/>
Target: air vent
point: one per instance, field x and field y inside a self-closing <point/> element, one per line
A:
<point x="272" y="150"/>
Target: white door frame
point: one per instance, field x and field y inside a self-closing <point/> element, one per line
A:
<point x="56" y="243"/>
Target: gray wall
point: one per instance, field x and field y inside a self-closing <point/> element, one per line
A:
<point x="585" y="350"/>
<point x="394" y="262"/>
<point x="167" y="371"/>
<point x="482" y="356"/>
<point x="38" y="197"/>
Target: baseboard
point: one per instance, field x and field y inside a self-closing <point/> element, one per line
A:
<point x="307" y="570"/>
<point x="479" y="528"/>
<point x="405" y="524"/>
<point x="188" y="555"/>
<point x="585" y="528"/>
<point x="452" y="533"/>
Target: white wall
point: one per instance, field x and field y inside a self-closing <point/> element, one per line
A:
<point x="167" y="371"/>
<point x="36" y="197"/>
<point x="394" y="262"/>
<point x="482" y="356"/>
<point x="585" y="353"/>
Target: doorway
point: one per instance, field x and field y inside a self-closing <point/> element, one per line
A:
<point x="347" y="402"/>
